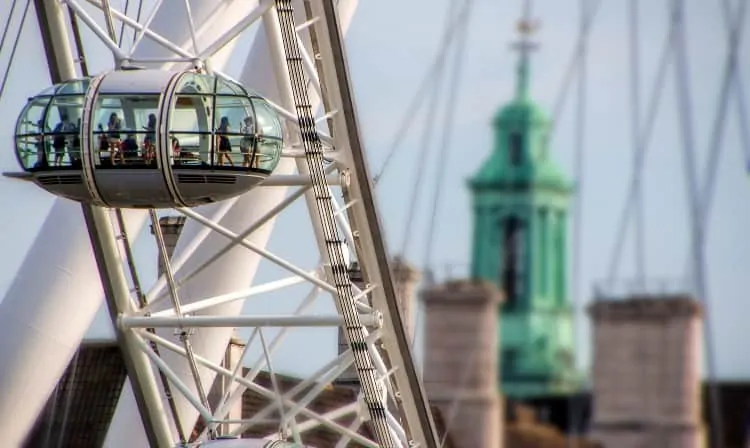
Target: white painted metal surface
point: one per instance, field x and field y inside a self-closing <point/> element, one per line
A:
<point x="58" y="281"/>
<point x="298" y="62"/>
<point x="221" y="277"/>
<point x="46" y="311"/>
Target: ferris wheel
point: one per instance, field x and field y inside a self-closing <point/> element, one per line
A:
<point x="166" y="128"/>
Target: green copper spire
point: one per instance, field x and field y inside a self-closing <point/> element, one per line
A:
<point x="524" y="46"/>
<point x="520" y="212"/>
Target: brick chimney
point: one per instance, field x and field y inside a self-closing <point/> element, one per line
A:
<point x="222" y="384"/>
<point x="461" y="360"/>
<point x="171" y="227"/>
<point x="406" y="279"/>
<point x="646" y="372"/>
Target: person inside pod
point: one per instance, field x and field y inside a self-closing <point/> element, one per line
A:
<point x="59" y="141"/>
<point x="41" y="145"/>
<point x="223" y="145"/>
<point x="149" y="142"/>
<point x="247" y="144"/>
<point x="113" y="134"/>
<point x="129" y="148"/>
<point x="75" y="147"/>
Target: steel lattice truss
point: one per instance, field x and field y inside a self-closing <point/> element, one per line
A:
<point x="391" y="401"/>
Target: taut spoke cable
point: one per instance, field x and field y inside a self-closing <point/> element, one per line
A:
<point x="640" y="154"/>
<point x="429" y="81"/>
<point x="685" y="113"/>
<point x="570" y="72"/>
<point x="735" y="24"/>
<point x="13" y="50"/>
<point x="635" y="106"/>
<point x="8" y="22"/>
<point x="428" y="133"/>
<point x="451" y="104"/>
<point x="587" y="9"/>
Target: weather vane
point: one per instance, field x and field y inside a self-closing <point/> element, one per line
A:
<point x="526" y="27"/>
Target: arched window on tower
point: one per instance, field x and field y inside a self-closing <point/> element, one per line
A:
<point x="515" y="148"/>
<point x="513" y="256"/>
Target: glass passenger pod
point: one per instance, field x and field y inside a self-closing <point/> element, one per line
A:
<point x="224" y="140"/>
<point x="48" y="139"/>
<point x="148" y="138"/>
<point x="122" y="140"/>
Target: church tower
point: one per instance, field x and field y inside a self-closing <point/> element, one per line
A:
<point x="520" y="210"/>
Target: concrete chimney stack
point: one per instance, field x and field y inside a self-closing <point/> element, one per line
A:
<point x="646" y="372"/>
<point x="171" y="227"/>
<point x="406" y="279"/>
<point x="461" y="360"/>
<point x="222" y="384"/>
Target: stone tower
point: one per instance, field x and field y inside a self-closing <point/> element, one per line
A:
<point x="646" y="372"/>
<point x="520" y="210"/>
<point x="460" y="366"/>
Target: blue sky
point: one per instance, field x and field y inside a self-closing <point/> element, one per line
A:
<point x="390" y="46"/>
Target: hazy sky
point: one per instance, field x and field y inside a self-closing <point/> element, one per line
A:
<point x="390" y="46"/>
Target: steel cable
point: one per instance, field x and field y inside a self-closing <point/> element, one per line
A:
<point x="646" y="132"/>
<point x="570" y="72"/>
<point x="428" y="82"/>
<point x="451" y="105"/>
<point x="13" y="50"/>
<point x="735" y="24"/>
<point x="7" y="25"/>
<point x="575" y="412"/>
<point x="428" y="132"/>
<point x="635" y="122"/>
<point x="685" y="114"/>
<point x="122" y="24"/>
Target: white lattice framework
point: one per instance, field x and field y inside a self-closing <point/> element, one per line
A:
<point x="174" y="329"/>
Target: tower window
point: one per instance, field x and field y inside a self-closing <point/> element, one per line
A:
<point x="512" y="275"/>
<point x="515" y="148"/>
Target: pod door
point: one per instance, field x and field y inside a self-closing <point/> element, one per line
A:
<point x="124" y="143"/>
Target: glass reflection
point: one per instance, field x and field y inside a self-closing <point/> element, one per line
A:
<point x="125" y="133"/>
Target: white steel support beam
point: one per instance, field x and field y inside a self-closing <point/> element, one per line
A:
<point x="156" y="37"/>
<point x="204" y="304"/>
<point x="174" y="380"/>
<point x="329" y="370"/>
<point x="295" y="95"/>
<point x="255" y="370"/>
<point x="185" y="254"/>
<point x="118" y="54"/>
<point x="260" y="251"/>
<point x="371" y="251"/>
<point x="126" y="322"/>
<point x="153" y="295"/>
<point x="292" y="180"/>
<point x="391" y="395"/>
<point x="331" y="416"/>
<point x="261" y="390"/>
<point x="139" y="33"/>
<point x="291" y="118"/>
<point x="236" y="30"/>
<point x="117" y="294"/>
